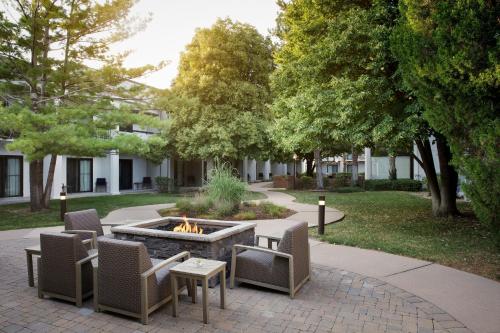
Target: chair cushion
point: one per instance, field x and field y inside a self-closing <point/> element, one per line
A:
<point x="262" y="267"/>
<point x="164" y="282"/>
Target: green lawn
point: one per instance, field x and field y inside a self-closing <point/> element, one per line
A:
<point x="402" y="223"/>
<point x="19" y="216"/>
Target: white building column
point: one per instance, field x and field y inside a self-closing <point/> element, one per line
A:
<point x="368" y="163"/>
<point x="167" y="166"/>
<point x="266" y="169"/>
<point x="59" y="177"/>
<point x="244" y="172"/>
<point x="114" y="172"/>
<point x="252" y="170"/>
<point x="285" y="169"/>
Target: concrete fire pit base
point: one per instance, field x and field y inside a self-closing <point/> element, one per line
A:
<point x="164" y="244"/>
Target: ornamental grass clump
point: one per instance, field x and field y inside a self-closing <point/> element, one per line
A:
<point x="224" y="189"/>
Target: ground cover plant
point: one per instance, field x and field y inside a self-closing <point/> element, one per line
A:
<point x="245" y="211"/>
<point x="402" y="223"/>
<point x="221" y="198"/>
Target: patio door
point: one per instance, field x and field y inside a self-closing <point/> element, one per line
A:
<point x="126" y="172"/>
<point x="11" y="176"/>
<point x="79" y="175"/>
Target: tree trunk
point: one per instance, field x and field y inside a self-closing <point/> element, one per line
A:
<point x="36" y="185"/>
<point x="424" y="148"/>
<point x="309" y="167"/>
<point x="449" y="179"/>
<point x="344" y="166"/>
<point x="354" y="176"/>
<point x="392" y="167"/>
<point x="319" y="173"/>
<point x="50" y="181"/>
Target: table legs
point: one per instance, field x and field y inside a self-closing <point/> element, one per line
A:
<point x="204" y="290"/>
<point x="204" y="286"/>
<point x="29" y="264"/>
<point x="223" y="289"/>
<point x="193" y="290"/>
<point x="175" y="299"/>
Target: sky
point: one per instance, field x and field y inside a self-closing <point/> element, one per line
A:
<point x="173" y="25"/>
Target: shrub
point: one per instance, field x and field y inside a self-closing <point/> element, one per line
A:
<point x="342" y="179"/>
<point x="223" y="188"/>
<point x="199" y="205"/>
<point x="271" y="209"/>
<point x="347" y="175"/>
<point x="164" y="184"/>
<point x="327" y="181"/>
<point x="393" y="185"/>
<point x="347" y="189"/>
<point x="337" y="182"/>
<point x="224" y="208"/>
<point x="306" y="182"/>
<point x="248" y="215"/>
<point x="202" y="204"/>
<point x="184" y="205"/>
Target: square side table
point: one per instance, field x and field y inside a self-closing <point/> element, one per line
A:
<point x="195" y="269"/>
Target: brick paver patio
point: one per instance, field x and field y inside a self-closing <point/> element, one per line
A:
<point x="334" y="301"/>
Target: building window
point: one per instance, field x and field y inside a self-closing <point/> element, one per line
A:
<point x="79" y="175"/>
<point x="11" y="176"/>
<point x="127" y="128"/>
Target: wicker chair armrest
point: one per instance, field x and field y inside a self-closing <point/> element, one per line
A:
<point x="177" y="257"/>
<point x="86" y="259"/>
<point x="269" y="237"/>
<point x="270" y="240"/>
<point x="262" y="249"/>
<point x="92" y="233"/>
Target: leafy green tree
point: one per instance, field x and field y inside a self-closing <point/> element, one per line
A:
<point x="448" y="53"/>
<point x="57" y="104"/>
<point x="218" y="104"/>
<point x="337" y="77"/>
<point x="332" y="78"/>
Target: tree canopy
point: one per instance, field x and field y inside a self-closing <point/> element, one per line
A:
<point x="218" y="104"/>
<point x="335" y="82"/>
<point x="56" y="103"/>
<point x="338" y="84"/>
<point x="448" y="53"/>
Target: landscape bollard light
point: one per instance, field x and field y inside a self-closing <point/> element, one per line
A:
<point x="321" y="215"/>
<point x="62" y="201"/>
<point x="294" y="169"/>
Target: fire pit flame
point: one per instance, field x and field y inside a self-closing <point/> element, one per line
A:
<point x="187" y="227"/>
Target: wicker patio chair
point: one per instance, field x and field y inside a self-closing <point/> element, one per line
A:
<point x="127" y="281"/>
<point x="64" y="268"/>
<point x="86" y="223"/>
<point x="285" y="269"/>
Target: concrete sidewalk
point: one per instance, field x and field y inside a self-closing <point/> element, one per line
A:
<point x="470" y="299"/>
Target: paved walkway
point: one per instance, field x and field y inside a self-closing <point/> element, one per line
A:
<point x="334" y="300"/>
<point x="352" y="290"/>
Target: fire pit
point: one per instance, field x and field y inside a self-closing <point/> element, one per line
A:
<point x="210" y="239"/>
